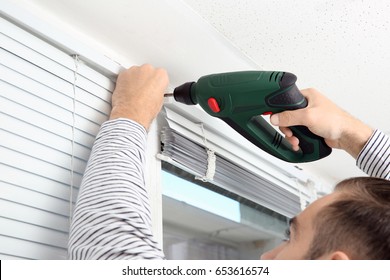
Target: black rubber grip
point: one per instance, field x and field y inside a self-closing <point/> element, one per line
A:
<point x="308" y="147"/>
<point x="290" y="99"/>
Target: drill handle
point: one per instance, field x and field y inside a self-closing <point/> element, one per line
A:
<point x="263" y="135"/>
<point x="311" y="144"/>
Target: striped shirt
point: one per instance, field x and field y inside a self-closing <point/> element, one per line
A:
<point x="112" y="217"/>
<point x="374" y="159"/>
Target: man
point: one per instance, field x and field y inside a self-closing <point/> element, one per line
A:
<point x="112" y="214"/>
<point x="353" y="222"/>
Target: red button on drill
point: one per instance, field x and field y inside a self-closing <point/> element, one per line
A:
<point x="213" y="104"/>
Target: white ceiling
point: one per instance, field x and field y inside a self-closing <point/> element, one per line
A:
<point x="340" y="47"/>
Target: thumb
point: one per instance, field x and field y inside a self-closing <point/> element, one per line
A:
<point x="288" y="118"/>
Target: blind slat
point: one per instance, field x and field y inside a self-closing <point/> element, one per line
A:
<point x="35" y="118"/>
<point x="41" y="91"/>
<point x="30" y="41"/>
<point x="30" y="250"/>
<point x="49" y="110"/>
<point x="48" y="79"/>
<point x="41" y="152"/>
<point x="35" y="182"/>
<point x="33" y="233"/>
<point x="17" y="127"/>
<point x="35" y="199"/>
<point x="31" y="215"/>
<point x="36" y="166"/>
<point x="10" y="257"/>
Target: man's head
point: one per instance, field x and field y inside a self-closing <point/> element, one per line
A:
<point x="351" y="223"/>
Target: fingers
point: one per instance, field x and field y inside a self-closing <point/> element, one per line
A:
<point x="294" y="141"/>
<point x="295" y="117"/>
<point x="139" y="94"/>
<point x="300" y="116"/>
<point x="289" y="118"/>
<point x="286" y="131"/>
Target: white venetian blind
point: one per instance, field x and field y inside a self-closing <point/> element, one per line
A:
<point x="184" y="152"/>
<point x="51" y="108"/>
<point x="239" y="166"/>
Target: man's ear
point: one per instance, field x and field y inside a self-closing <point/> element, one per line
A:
<point x="338" y="255"/>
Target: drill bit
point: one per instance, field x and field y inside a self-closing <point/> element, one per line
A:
<point x="168" y="94"/>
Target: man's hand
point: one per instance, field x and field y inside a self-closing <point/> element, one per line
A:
<point x="139" y="94"/>
<point x="324" y="118"/>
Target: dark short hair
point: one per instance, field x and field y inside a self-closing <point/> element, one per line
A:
<point x="357" y="223"/>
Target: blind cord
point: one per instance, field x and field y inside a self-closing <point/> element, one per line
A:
<point x="211" y="160"/>
<point x="75" y="73"/>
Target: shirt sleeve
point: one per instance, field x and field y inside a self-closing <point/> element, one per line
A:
<point x="374" y="159"/>
<point x="112" y="217"/>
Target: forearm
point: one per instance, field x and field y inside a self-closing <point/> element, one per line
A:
<point x="374" y="158"/>
<point x="112" y="214"/>
<point x="354" y="136"/>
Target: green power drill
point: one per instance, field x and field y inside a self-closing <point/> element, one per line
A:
<point x="240" y="98"/>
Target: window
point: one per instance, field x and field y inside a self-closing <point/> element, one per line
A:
<point x="203" y="221"/>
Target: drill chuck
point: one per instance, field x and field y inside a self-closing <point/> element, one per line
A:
<point x="183" y="94"/>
